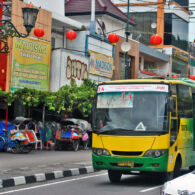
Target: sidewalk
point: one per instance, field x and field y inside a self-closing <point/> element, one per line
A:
<point x="26" y="176"/>
<point x="31" y="174"/>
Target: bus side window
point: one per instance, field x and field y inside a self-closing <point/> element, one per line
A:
<point x="184" y="98"/>
<point x="174" y="131"/>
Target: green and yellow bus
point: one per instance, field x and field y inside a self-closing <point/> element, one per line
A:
<point x="144" y="126"/>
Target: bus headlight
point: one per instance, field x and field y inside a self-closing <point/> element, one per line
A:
<point x="100" y="152"/>
<point x="155" y="153"/>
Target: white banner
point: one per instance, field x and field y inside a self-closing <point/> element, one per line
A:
<point x="133" y="87"/>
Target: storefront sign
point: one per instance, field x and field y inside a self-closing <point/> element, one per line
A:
<point x="100" y="64"/>
<point x="76" y="69"/>
<point x="30" y="65"/>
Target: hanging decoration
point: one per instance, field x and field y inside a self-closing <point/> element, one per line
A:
<point x="192" y="77"/>
<point x="113" y="38"/>
<point x="71" y="34"/>
<point x="155" y="39"/>
<point x="175" y="77"/>
<point x="39" y="32"/>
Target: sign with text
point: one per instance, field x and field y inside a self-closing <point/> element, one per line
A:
<point x="133" y="87"/>
<point x="100" y="64"/>
<point x="30" y="64"/>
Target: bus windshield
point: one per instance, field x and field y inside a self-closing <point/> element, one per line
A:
<point x="131" y="111"/>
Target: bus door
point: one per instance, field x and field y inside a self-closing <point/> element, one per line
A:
<point x="174" y="124"/>
<point x="174" y="129"/>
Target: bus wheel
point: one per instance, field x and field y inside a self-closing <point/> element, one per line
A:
<point x="177" y="169"/>
<point x="114" y="176"/>
<point x="192" y="168"/>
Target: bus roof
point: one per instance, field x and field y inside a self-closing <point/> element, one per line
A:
<point x="184" y="81"/>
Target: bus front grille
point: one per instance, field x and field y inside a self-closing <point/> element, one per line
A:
<point x="121" y="153"/>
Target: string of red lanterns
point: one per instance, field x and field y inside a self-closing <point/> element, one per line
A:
<point x="71" y="35"/>
<point x="156" y="39"/>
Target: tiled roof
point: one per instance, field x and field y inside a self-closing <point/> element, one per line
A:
<point x="83" y="7"/>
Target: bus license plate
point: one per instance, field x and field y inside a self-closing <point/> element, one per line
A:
<point x="125" y="163"/>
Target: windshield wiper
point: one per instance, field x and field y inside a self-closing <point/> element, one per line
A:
<point x="111" y="130"/>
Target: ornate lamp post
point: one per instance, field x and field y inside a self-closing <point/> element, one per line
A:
<point x="7" y="28"/>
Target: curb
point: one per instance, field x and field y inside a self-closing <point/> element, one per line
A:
<point x="22" y="180"/>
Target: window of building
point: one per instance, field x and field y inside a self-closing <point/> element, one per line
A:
<point x="184" y="98"/>
<point x="149" y="66"/>
<point x="143" y="31"/>
<point x="124" y="71"/>
<point x="183" y="3"/>
<point x="52" y="42"/>
<point x="176" y="31"/>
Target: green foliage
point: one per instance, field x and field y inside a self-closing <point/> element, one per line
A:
<point x="28" y="97"/>
<point x="68" y="98"/>
<point x="8" y="96"/>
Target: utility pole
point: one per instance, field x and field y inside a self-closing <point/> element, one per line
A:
<point x="127" y="39"/>
<point x="92" y="23"/>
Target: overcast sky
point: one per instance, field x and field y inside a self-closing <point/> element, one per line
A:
<point x="192" y="24"/>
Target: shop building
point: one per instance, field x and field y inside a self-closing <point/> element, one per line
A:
<point x="27" y="64"/>
<point x="104" y="58"/>
<point x="170" y="20"/>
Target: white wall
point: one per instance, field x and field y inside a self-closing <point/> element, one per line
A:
<point x="55" y="70"/>
<point x="58" y="40"/>
<point x="64" y="66"/>
<point x="50" y="5"/>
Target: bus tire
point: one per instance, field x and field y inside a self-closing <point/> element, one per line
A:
<point x="177" y="169"/>
<point x="192" y="168"/>
<point x="114" y="176"/>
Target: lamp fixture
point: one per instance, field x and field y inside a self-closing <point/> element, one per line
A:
<point x="7" y="28"/>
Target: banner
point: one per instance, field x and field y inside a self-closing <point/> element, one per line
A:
<point x="100" y="64"/>
<point x="30" y="64"/>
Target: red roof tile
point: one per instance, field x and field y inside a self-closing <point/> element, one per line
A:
<point x="83" y="7"/>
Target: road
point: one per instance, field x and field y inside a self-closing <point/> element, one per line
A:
<point x="96" y="184"/>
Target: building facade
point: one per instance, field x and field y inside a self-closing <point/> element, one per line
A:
<point x="170" y="20"/>
<point x="19" y="66"/>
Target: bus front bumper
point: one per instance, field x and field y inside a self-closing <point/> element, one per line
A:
<point x="142" y="164"/>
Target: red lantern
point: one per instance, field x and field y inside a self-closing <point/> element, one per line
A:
<point x="175" y="77"/>
<point x="192" y="77"/>
<point x="113" y="38"/>
<point x="194" y="40"/>
<point x="30" y="5"/>
<point x="39" y="32"/>
<point x="156" y="39"/>
<point x="71" y="34"/>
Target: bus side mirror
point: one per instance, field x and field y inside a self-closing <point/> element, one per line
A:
<point x="171" y="104"/>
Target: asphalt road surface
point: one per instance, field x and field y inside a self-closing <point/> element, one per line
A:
<point x="92" y="184"/>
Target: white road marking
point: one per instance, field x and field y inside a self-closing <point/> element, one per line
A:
<point x="49" y="184"/>
<point x="150" y="189"/>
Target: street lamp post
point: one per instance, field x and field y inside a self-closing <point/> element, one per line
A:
<point x="7" y="28"/>
<point x="127" y="33"/>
